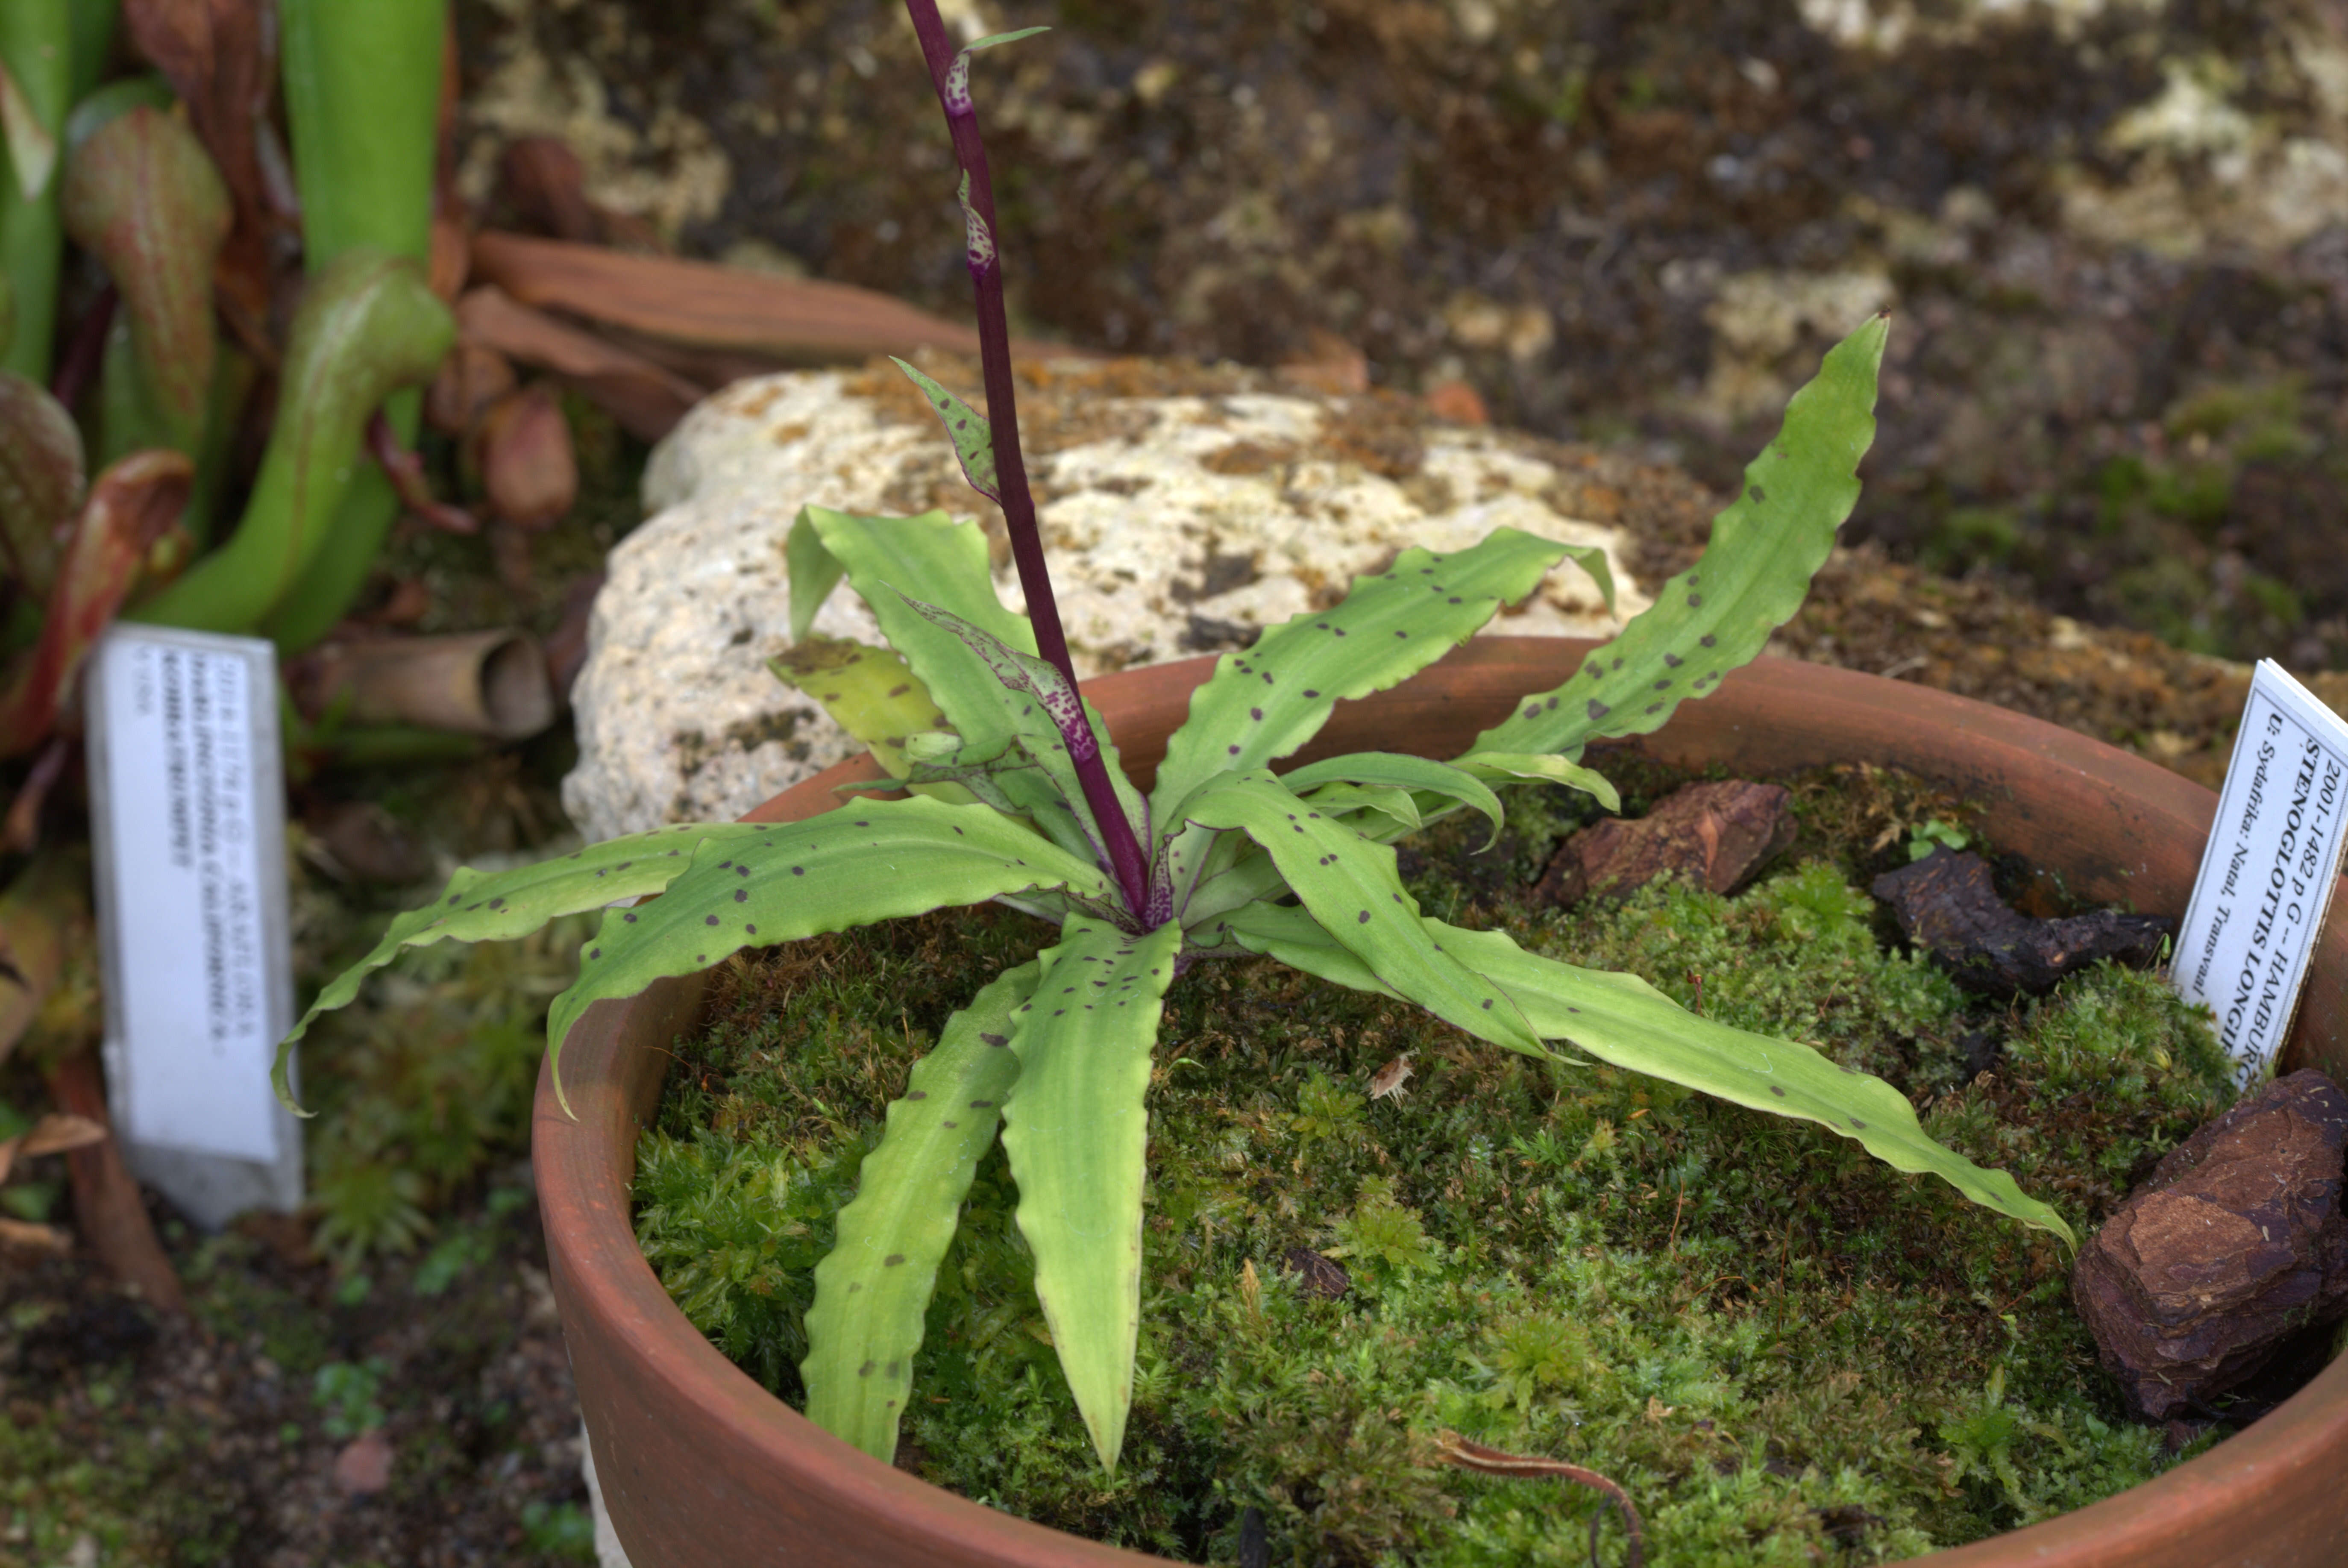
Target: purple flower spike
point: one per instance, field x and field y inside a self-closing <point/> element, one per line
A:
<point x="949" y="74"/>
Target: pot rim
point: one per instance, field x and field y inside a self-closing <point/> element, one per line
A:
<point x="2194" y="1514"/>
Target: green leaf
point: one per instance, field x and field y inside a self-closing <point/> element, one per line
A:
<point x="1352" y="889"/>
<point x="1075" y="1130"/>
<point x="1399" y="806"/>
<point x="814" y="570"/>
<point x="871" y="692"/>
<point x="939" y="562"/>
<point x="1766" y="546"/>
<point x="1401" y="771"/>
<point x="477" y="906"/>
<point x="872" y="1289"/>
<point x="1263" y="702"/>
<point x="974" y="442"/>
<point x="1049" y="720"/>
<point x="872" y="859"/>
<point x="1626" y="1023"/>
<point x="991" y="39"/>
<point x="1296" y="939"/>
<point x="1499" y="765"/>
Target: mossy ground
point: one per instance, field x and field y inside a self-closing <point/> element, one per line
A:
<point x="1787" y="1352"/>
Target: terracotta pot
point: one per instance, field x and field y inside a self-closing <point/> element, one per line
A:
<point x="701" y="1466"/>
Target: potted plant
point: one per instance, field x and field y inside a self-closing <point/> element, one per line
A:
<point x="1022" y="791"/>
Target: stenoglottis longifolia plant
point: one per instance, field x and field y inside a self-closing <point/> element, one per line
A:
<point x="1014" y="793"/>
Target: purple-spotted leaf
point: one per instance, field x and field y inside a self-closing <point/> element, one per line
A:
<point x="485" y="906"/>
<point x="1399" y="770"/>
<point x="973" y="443"/>
<point x="1718" y="615"/>
<point x="1047" y="719"/>
<point x="869" y="691"/>
<point x="872" y="1289"/>
<point x="1626" y="1023"/>
<point x="1352" y="891"/>
<point x="142" y="196"/>
<point x="944" y="563"/>
<point x="41" y="479"/>
<point x="1076" y="1131"/>
<point x="1264" y="702"/>
<point x="865" y="861"/>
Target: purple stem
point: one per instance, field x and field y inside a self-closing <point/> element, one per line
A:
<point x="1125" y="859"/>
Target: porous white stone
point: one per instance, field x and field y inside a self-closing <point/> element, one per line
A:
<point x="1195" y="521"/>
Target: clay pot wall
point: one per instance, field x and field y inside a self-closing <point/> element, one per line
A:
<point x="700" y="1465"/>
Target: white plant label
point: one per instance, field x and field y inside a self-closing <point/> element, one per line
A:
<point x="2267" y="876"/>
<point x="191" y="888"/>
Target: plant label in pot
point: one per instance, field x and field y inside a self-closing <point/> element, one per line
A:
<point x="188" y="819"/>
<point x="2267" y="876"/>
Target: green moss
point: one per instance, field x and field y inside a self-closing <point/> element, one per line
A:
<point x="1785" y="1351"/>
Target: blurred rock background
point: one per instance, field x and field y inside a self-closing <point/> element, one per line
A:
<point x="2114" y="232"/>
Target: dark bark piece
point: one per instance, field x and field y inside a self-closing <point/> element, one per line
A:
<point x="2236" y="1246"/>
<point x="1324" y="1277"/>
<point x="1715" y="835"/>
<point x="1947" y="905"/>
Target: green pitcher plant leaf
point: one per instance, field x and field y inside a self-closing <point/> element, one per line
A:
<point x="1353" y="890"/>
<point x="872" y="1289"/>
<point x="141" y="195"/>
<point x="1075" y="1130"/>
<point x="1766" y="546"/>
<point x="497" y="906"/>
<point x="368" y="325"/>
<point x="35" y="91"/>
<point x="865" y="861"/>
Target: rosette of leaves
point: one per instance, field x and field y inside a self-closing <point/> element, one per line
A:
<point x="1012" y="791"/>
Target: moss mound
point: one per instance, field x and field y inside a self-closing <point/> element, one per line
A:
<point x="1785" y="1351"/>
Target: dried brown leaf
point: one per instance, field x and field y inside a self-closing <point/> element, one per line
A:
<point x="129" y="509"/>
<point x="645" y="398"/>
<point x="527" y="462"/>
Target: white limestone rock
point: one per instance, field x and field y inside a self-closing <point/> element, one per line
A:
<point x="1175" y="526"/>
